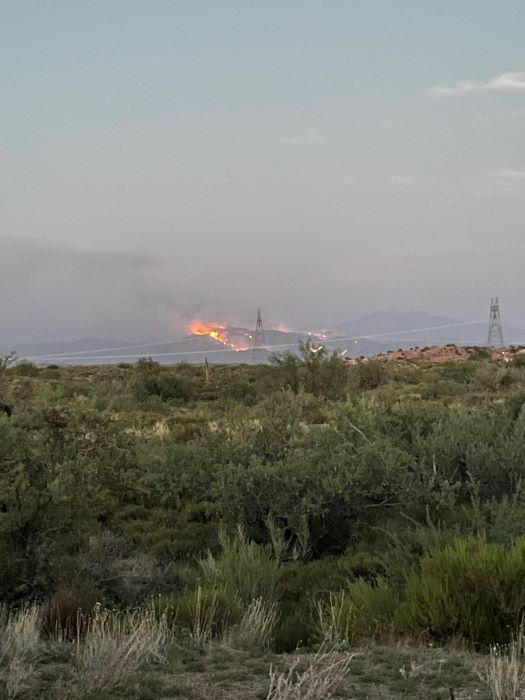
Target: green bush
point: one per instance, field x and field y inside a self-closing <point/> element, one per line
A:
<point x="25" y="368"/>
<point x="313" y="370"/>
<point x="314" y="579"/>
<point x="204" y="610"/>
<point x="470" y="589"/>
<point x="518" y="360"/>
<point x="493" y="378"/>
<point x="461" y="372"/>
<point x="244" y="569"/>
<point x="168" y="388"/>
<point x="369" y="374"/>
<point x="360" y="611"/>
<point x="295" y="629"/>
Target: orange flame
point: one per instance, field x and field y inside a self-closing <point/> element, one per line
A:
<point x="218" y="332"/>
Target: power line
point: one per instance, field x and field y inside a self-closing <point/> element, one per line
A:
<point x="120" y="347"/>
<point x="282" y="346"/>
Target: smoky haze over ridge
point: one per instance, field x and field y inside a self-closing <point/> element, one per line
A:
<point x="205" y="159"/>
<point x="56" y="291"/>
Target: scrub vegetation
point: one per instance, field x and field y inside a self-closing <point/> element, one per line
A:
<point x="303" y="529"/>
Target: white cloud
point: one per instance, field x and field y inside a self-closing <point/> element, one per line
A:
<point x="505" y="81"/>
<point x="308" y="136"/>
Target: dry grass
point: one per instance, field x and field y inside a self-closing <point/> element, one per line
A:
<point x="255" y="630"/>
<point x="504" y="673"/>
<point x="202" y="610"/>
<point x="333" y="619"/>
<point x="19" y="649"/>
<point x="326" y="671"/>
<point x="115" y="647"/>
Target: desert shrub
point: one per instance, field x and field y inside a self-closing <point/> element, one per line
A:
<point x="518" y="360"/>
<point x="146" y="364"/>
<point x="274" y="424"/>
<point x="407" y="545"/>
<point x="240" y="390"/>
<point x="442" y="389"/>
<point x="123" y="574"/>
<point x="480" y="353"/>
<point x="25" y="368"/>
<point x="364" y="565"/>
<point x="470" y="589"/>
<point x="313" y="370"/>
<point x="504" y="520"/>
<point x="295" y="628"/>
<point x="67" y="613"/>
<point x="243" y="569"/>
<point x="407" y="374"/>
<point x="166" y="384"/>
<point x="369" y="374"/>
<point x="304" y="585"/>
<point x="357" y="612"/>
<point x="461" y="372"/>
<point x="167" y="388"/>
<point x="492" y="378"/>
<point x="315" y="579"/>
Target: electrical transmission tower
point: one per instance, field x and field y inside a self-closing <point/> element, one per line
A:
<point x="259" y="340"/>
<point x="495" y="337"/>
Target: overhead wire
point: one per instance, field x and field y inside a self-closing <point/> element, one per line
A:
<point x="91" y="354"/>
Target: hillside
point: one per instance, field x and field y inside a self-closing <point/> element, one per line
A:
<point x="372" y="334"/>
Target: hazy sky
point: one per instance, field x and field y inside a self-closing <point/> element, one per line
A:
<point x="165" y="159"/>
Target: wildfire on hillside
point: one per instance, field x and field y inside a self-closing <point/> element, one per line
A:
<point x="234" y="339"/>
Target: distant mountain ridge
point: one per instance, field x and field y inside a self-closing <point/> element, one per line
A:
<point x="371" y="334"/>
<point x="391" y="321"/>
<point x="421" y="328"/>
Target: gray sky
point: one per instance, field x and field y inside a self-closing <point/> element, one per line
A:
<point x="170" y="159"/>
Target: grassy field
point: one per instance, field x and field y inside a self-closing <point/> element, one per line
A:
<point x="377" y="672"/>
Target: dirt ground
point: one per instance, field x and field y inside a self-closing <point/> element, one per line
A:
<point x="375" y="673"/>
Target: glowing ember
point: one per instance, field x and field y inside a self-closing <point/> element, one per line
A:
<point x="319" y="334"/>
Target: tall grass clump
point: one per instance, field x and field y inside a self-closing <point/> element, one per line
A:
<point x="504" y="673"/>
<point x="324" y="674"/>
<point x="115" y="647"/>
<point x="244" y="569"/>
<point x="256" y="627"/>
<point x="359" y="611"/>
<point x="204" y="613"/>
<point x="19" y="650"/>
<point x="470" y="589"/>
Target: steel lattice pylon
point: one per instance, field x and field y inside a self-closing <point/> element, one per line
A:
<point x="259" y="340"/>
<point x="495" y="336"/>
